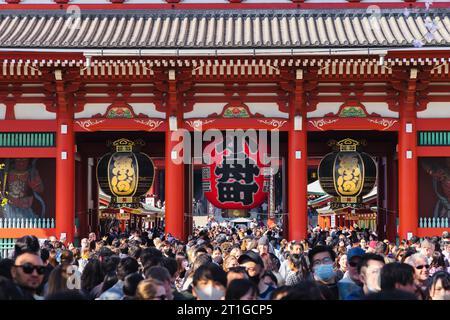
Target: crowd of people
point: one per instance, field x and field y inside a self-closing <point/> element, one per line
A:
<point x="221" y="262"/>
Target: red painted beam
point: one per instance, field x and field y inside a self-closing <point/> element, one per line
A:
<point x="430" y="232"/>
<point x="433" y="151"/>
<point x="29" y="152"/>
<point x="220" y="6"/>
<point x="313" y="162"/>
<point x="415" y="54"/>
<point x="30" y="55"/>
<point x="27" y="125"/>
<point x="17" y="233"/>
<point x="441" y="124"/>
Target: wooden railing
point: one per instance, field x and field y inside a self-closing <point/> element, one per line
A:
<point x="434" y="222"/>
<point x="6" y="245"/>
<point x="26" y="223"/>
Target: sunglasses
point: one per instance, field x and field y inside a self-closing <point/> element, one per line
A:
<point x="28" y="268"/>
<point x="427" y="266"/>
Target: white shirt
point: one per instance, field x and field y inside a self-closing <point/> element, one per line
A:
<point x="284" y="269"/>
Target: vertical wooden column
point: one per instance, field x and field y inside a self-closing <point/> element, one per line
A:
<point x="9" y="113"/>
<point x="381" y="197"/>
<point x="83" y="213"/>
<point x="155" y="186"/>
<point x="174" y="171"/>
<point x="65" y="163"/>
<point x="391" y="216"/>
<point x="297" y="164"/>
<point x="407" y="160"/>
<point x="189" y="192"/>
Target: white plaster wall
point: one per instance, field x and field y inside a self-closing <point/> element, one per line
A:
<point x="381" y="108"/>
<point x="435" y="110"/>
<point x="269" y="110"/>
<point x="323" y="108"/>
<point x="203" y="109"/>
<point x="36" y="111"/>
<point x="149" y="109"/>
<point x="92" y="108"/>
<point x="2" y="111"/>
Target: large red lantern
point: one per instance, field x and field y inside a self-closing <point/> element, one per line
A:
<point x="234" y="177"/>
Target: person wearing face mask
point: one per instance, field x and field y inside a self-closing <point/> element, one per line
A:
<point x="217" y="256"/>
<point x="321" y="260"/>
<point x="369" y="269"/>
<point x="254" y="266"/>
<point x="209" y="282"/>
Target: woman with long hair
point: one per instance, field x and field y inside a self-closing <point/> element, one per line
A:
<point x="439" y="287"/>
<point x="59" y="281"/>
<point x="298" y="269"/>
<point x="91" y="277"/>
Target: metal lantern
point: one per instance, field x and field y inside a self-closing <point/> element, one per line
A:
<point x="125" y="175"/>
<point x="348" y="174"/>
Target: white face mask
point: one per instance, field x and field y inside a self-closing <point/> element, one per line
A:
<point x="209" y="293"/>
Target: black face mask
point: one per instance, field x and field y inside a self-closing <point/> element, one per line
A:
<point x="218" y="260"/>
<point x="255" y="279"/>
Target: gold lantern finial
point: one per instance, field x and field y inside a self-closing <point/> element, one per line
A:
<point x="123" y="145"/>
<point x="348" y="145"/>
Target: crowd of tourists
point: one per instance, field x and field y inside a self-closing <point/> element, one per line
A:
<point x="221" y="262"/>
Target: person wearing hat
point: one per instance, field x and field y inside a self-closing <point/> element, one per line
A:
<point x="350" y="286"/>
<point x="263" y="246"/>
<point x="254" y="266"/>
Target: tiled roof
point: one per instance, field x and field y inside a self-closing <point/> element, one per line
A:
<point x="224" y="29"/>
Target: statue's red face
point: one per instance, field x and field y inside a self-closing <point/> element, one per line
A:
<point x="22" y="164"/>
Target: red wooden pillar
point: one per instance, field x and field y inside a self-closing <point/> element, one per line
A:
<point x="174" y="170"/>
<point x="65" y="174"/>
<point x="407" y="161"/>
<point x="297" y="167"/>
